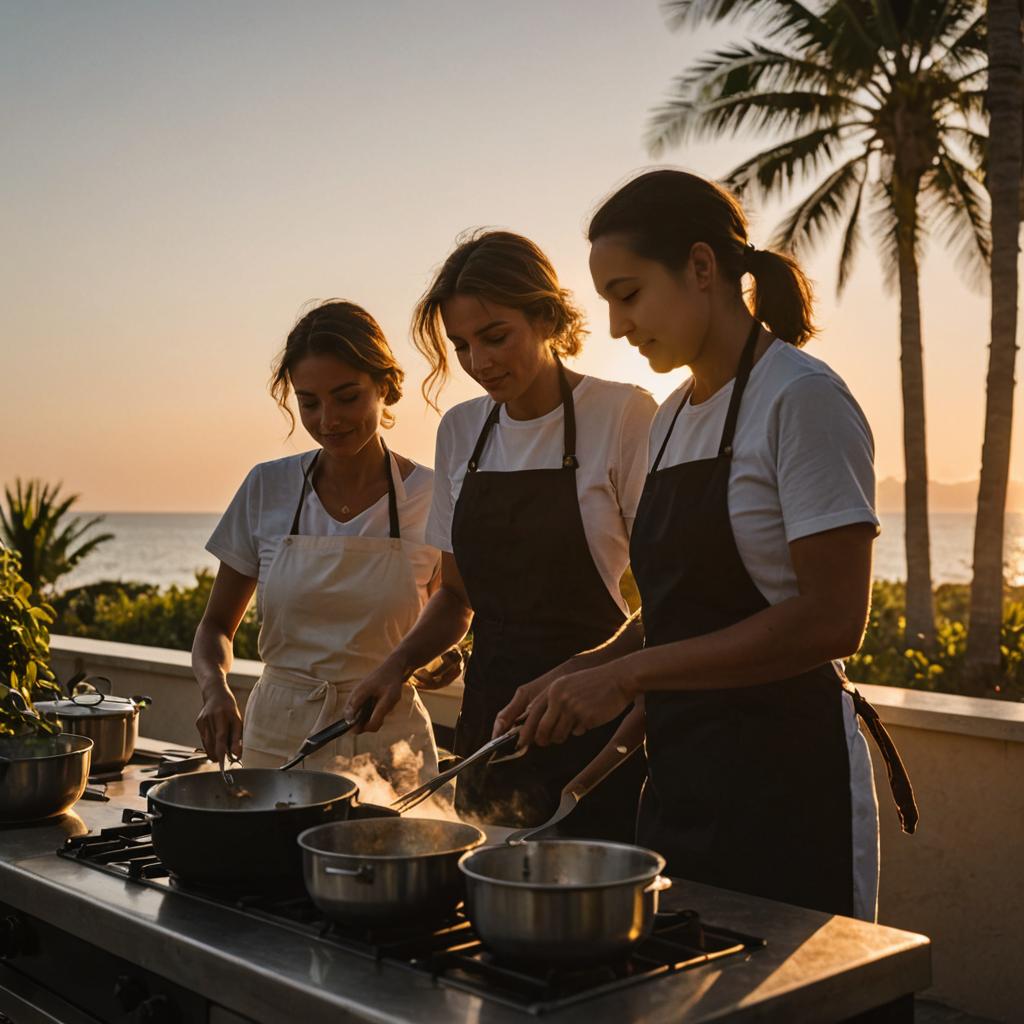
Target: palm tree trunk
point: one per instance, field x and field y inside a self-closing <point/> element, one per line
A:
<point x="1005" y="103"/>
<point x="920" y="627"/>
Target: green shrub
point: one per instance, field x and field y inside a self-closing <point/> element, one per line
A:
<point x="24" y="638"/>
<point x="139" y="613"/>
<point x="886" y="659"/>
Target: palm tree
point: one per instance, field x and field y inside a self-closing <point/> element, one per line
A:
<point x="878" y="106"/>
<point x="1006" y="110"/>
<point x="31" y="525"/>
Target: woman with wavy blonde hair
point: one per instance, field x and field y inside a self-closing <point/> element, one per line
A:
<point x="535" y="490"/>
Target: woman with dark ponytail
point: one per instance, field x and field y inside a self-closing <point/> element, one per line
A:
<point x="752" y="552"/>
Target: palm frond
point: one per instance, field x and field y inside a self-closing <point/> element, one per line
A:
<point x="851" y="237"/>
<point x="974" y="143"/>
<point x="779" y="167"/>
<point x="683" y="118"/>
<point x="742" y="68"/>
<point x="820" y="211"/>
<point x="959" y="204"/>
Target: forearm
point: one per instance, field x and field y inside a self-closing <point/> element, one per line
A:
<point x="442" y="623"/>
<point x="776" y="643"/>
<point x="628" y="640"/>
<point x="212" y="657"/>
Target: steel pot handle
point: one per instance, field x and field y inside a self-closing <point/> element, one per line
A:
<point x="131" y="816"/>
<point x="659" y="884"/>
<point x="364" y="872"/>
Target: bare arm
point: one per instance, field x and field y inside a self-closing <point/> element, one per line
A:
<point x="628" y="638"/>
<point x="824" y="621"/>
<point x="443" y="622"/>
<point x="219" y="722"/>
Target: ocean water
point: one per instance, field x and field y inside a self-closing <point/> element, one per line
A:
<point x="169" y="548"/>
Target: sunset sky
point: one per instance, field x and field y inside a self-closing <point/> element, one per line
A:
<point x="180" y="179"/>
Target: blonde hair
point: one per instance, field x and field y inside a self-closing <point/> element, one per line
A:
<point x="508" y="270"/>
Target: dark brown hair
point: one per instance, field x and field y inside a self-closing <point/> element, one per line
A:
<point x="346" y="331"/>
<point x="508" y="270"/>
<point x="662" y="214"/>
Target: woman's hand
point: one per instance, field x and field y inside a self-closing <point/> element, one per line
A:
<point x="575" y="703"/>
<point x="220" y="725"/>
<point x="526" y="695"/>
<point x="384" y="687"/>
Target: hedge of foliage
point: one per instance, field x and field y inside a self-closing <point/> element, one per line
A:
<point x="885" y="659"/>
<point x="143" y="614"/>
<point x="140" y="613"/>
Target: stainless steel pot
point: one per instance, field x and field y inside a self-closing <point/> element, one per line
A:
<point x="112" y="724"/>
<point x="563" y="902"/>
<point x="42" y="777"/>
<point x="383" y="869"/>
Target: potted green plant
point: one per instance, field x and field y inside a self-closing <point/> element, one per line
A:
<point x="24" y="652"/>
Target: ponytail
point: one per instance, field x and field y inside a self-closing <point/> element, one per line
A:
<point x="783" y="298"/>
<point x="663" y="214"/>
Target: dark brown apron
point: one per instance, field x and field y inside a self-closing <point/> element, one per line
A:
<point x="748" y="788"/>
<point x="537" y="600"/>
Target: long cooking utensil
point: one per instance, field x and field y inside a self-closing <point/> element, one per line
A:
<point x="489" y="750"/>
<point x="571" y="796"/>
<point x="311" y="744"/>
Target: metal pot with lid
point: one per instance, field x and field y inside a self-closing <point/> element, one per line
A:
<point x="110" y="721"/>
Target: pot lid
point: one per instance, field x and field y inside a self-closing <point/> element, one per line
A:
<point x="108" y="706"/>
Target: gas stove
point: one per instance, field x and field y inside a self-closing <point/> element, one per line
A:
<point x="448" y="951"/>
<point x="102" y="933"/>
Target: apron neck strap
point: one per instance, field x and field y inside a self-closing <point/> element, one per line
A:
<point x="729" y="430"/>
<point x="394" y="532"/>
<point x="742" y="376"/>
<point x="569" y="460"/>
<point x="394" y="529"/>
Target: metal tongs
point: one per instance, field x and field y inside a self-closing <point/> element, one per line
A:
<point x="311" y="744"/>
<point x="504" y="745"/>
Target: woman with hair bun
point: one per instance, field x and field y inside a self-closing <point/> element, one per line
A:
<point x="333" y="543"/>
<point x="535" y="491"/>
<point x="752" y="553"/>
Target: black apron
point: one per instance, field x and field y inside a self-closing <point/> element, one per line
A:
<point x="537" y="600"/>
<point x="748" y="788"/>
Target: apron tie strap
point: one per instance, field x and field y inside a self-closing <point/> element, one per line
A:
<point x="328" y="694"/>
<point x="899" y="780"/>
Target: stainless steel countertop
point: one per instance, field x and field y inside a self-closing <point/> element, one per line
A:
<point x="815" y="967"/>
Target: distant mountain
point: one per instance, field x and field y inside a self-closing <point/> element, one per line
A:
<point x="942" y="497"/>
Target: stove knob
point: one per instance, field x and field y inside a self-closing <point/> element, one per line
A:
<point x="13" y="937"/>
<point x="158" y="1010"/>
<point x="130" y="991"/>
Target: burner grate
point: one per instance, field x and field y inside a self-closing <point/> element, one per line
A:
<point x="449" y="951"/>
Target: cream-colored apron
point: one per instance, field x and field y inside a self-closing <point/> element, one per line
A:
<point x="333" y="608"/>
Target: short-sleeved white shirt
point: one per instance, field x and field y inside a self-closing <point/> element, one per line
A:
<point x="260" y="516"/>
<point x="612" y="427"/>
<point x="802" y="463"/>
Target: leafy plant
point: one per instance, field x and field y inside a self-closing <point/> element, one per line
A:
<point x="138" y="613"/>
<point x="885" y="659"/>
<point x="33" y="526"/>
<point x="24" y="637"/>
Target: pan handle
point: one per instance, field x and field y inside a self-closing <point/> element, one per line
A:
<point x="130" y="816"/>
<point x="364" y="873"/>
<point x="659" y="884"/>
<point x="311" y="744"/>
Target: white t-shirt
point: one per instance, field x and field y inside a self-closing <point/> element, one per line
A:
<point x="802" y="458"/>
<point x="260" y="516"/>
<point x="612" y="427"/>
